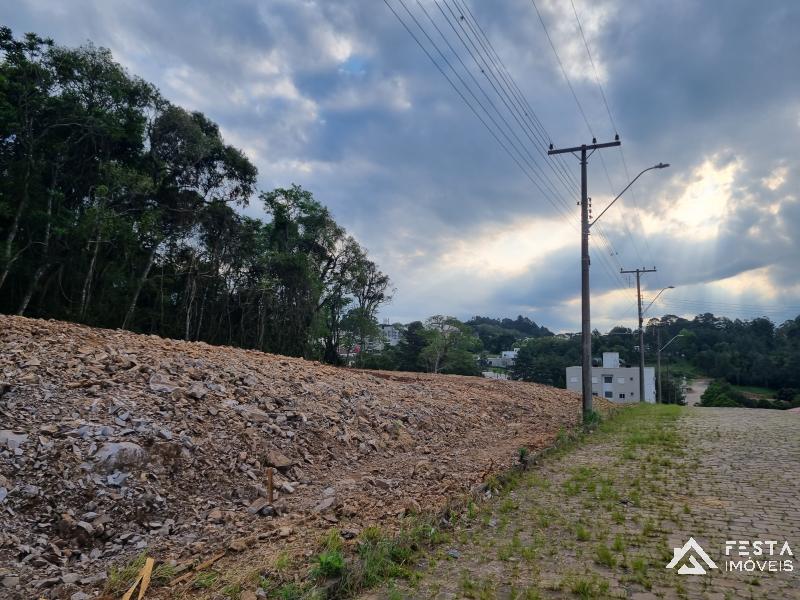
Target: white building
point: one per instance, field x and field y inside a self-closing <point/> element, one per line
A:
<point x="391" y="333"/>
<point x="506" y="359"/>
<point x="615" y="383"/>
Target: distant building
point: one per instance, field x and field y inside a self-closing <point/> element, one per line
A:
<point x="613" y="382"/>
<point x="391" y="333"/>
<point x="494" y="375"/>
<point x="506" y="359"/>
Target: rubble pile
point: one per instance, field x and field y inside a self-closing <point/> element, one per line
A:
<point x="112" y="443"/>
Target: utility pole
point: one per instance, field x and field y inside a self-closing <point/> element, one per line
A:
<point x="641" y="328"/>
<point x="660" y="348"/>
<point x="658" y="365"/>
<point x="586" y="329"/>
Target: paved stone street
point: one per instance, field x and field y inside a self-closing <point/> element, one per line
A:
<point x="600" y="520"/>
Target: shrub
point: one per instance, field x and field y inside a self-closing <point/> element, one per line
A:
<point x="721" y="393"/>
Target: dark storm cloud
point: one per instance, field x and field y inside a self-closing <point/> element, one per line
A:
<point x="336" y="96"/>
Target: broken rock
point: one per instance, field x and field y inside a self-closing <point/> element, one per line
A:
<point x="120" y="454"/>
<point x="12" y="440"/>
<point x="279" y="461"/>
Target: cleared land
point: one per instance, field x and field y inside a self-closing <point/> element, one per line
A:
<point x="114" y="446"/>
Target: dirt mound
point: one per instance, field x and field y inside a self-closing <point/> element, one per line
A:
<point x="112" y="443"/>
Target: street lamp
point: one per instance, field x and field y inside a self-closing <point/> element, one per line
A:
<point x="659" y="359"/>
<point x="669" y="287"/>
<point x="641" y="336"/>
<point x="658" y="166"/>
<point x="658" y="343"/>
<point x="583" y="152"/>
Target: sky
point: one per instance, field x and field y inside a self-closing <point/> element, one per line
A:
<point x="337" y="96"/>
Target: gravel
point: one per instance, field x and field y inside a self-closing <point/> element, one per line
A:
<point x="112" y="443"/>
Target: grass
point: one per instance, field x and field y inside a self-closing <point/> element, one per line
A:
<point x="581" y="533"/>
<point x="120" y="579"/>
<point x="764" y="392"/>
<point x="205" y="579"/>
<point x="604" y="556"/>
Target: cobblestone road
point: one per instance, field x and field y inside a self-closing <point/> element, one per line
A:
<point x="601" y="520"/>
<point x="746" y="487"/>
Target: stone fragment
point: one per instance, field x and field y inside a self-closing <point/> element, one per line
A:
<point x="257" y="505"/>
<point x="279" y="461"/>
<point x="120" y="454"/>
<point x="215" y="516"/>
<point x="326" y="504"/>
<point x="12" y="440"/>
<point x="197" y="390"/>
<point x="161" y="384"/>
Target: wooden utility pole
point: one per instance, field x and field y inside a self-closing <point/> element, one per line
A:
<point x="586" y="328"/>
<point x="641" y="328"/>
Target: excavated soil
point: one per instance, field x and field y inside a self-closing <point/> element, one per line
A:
<point x="113" y="443"/>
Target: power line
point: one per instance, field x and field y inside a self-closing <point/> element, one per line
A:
<point x="585" y="120"/>
<point x="464" y="98"/>
<point x="533" y="162"/>
<point x="594" y="68"/>
<point x="513" y="98"/>
<point x="510" y="84"/>
<point x="505" y="136"/>
<point x="614" y="125"/>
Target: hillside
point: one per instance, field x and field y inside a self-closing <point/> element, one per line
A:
<point x="112" y="443"/>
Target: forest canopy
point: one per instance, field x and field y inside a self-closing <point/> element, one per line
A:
<point x="119" y="209"/>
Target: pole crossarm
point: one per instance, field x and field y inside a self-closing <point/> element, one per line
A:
<point x="593" y="146"/>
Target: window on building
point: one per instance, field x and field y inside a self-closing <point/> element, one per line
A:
<point x="631" y="378"/>
<point x="609" y="394"/>
<point x="622" y="396"/>
<point x="608" y="379"/>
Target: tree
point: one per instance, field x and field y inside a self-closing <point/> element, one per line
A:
<point x="450" y="346"/>
<point x="119" y="207"/>
<point x="409" y="350"/>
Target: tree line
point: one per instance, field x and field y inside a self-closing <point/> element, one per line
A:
<point x="744" y="352"/>
<point x="119" y="208"/>
<point x="754" y="352"/>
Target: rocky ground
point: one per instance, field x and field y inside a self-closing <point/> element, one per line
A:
<point x="113" y="444"/>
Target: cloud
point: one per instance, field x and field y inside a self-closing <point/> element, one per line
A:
<point x="339" y="98"/>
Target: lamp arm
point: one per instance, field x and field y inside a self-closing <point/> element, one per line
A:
<point x="672" y="340"/>
<point x="619" y="195"/>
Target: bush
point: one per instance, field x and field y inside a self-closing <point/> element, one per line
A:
<point x="721" y="400"/>
<point x="721" y="393"/>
